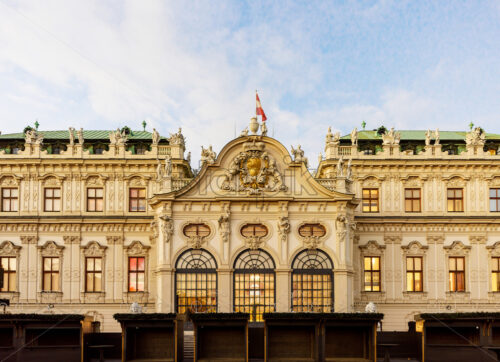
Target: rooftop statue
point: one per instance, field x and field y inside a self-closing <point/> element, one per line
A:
<point x="33" y="137"/>
<point x="329" y="135"/>
<point x="428" y="137"/>
<point x="298" y="155"/>
<point x="391" y="138"/>
<point x="436" y="136"/>
<point x="155" y="137"/>
<point x="244" y="133"/>
<point x="79" y="134"/>
<point x="475" y="137"/>
<point x="263" y="128"/>
<point x="354" y="136"/>
<point x="340" y="167"/>
<point x="71" y="136"/>
<point x="208" y="155"/>
<point x="117" y="137"/>
<point x="177" y="138"/>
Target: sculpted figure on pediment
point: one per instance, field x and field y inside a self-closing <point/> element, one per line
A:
<point x="476" y="137"/>
<point x="208" y="155"/>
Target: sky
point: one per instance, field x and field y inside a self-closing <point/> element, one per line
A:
<point x="196" y="65"/>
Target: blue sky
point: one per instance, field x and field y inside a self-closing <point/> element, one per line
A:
<point x="196" y="65"/>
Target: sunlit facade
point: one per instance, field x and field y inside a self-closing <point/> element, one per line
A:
<point x="97" y="220"/>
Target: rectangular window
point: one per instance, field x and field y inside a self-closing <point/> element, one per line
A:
<point x="136" y="274"/>
<point x="495" y="274"/>
<point x="52" y="199"/>
<point x="93" y="274"/>
<point x="455" y="200"/>
<point x="495" y="200"/>
<point x="457" y="273"/>
<point x="414" y="274"/>
<point x="50" y="282"/>
<point x="9" y="274"/>
<point x="370" y="200"/>
<point x="10" y="199"/>
<point x="372" y="274"/>
<point x="137" y="200"/>
<point x="95" y="199"/>
<point x="412" y="200"/>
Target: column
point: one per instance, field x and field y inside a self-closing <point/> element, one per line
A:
<point x="283" y="293"/>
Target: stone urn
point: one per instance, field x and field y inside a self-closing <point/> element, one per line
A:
<point x="254" y="125"/>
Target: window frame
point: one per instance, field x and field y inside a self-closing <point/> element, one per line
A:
<point x="495" y="272"/>
<point x="10" y="199"/>
<point x="93" y="273"/>
<point x="310" y="227"/>
<point x="52" y="198"/>
<point x="95" y="199"/>
<point x="414" y="272"/>
<point x="370" y="199"/>
<point x="454" y="199"/>
<point x="412" y="198"/>
<point x="137" y="199"/>
<point x="7" y="272"/>
<point x="372" y="272"/>
<point x="136" y="273"/>
<point x="51" y="272"/>
<point x="456" y="272"/>
<point x="496" y="198"/>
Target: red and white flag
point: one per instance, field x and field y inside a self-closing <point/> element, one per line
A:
<point x="260" y="111"/>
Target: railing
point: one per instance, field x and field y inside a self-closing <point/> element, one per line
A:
<point x="345" y="150"/>
<point x="328" y="183"/>
<point x="163" y="150"/>
<point x="178" y="184"/>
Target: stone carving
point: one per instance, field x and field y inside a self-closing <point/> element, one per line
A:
<point x="177" y="138"/>
<point x="117" y="138"/>
<point x="253" y="242"/>
<point x="154" y="228"/>
<point x="7" y="248"/>
<point x="340" y="167"/>
<point x="137" y="248"/>
<point x="168" y="167"/>
<point x="414" y="248"/>
<point x="256" y="169"/>
<point x="71" y="239"/>
<point x="94" y="249"/>
<point x="224" y="226"/>
<point x="371" y="308"/>
<point x="283" y="228"/>
<point x="79" y="134"/>
<point x="329" y="136"/>
<point x="188" y="158"/>
<point x="341" y="227"/>
<point x="208" y="155"/>
<point x="348" y="174"/>
<point x="476" y="137"/>
<point x="71" y="136"/>
<point x="135" y="308"/>
<point x="167" y="227"/>
<point x="244" y="133"/>
<point x="33" y="137"/>
<point x="372" y="247"/>
<point x="428" y="137"/>
<point x="263" y="129"/>
<point x="114" y="240"/>
<point x="391" y="137"/>
<point x="457" y="248"/>
<point x="354" y="137"/>
<point x="298" y="155"/>
<point x="155" y="137"/>
<point x="436" y="137"/>
<point x="50" y="248"/>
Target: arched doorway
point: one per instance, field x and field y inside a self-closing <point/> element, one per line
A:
<point x="254" y="284"/>
<point x="196" y="282"/>
<point x="312" y="282"/>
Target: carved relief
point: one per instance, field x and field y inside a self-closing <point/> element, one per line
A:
<point x="94" y="249"/>
<point x="257" y="171"/>
<point x="312" y="240"/>
<point x="494" y="250"/>
<point x="167" y="227"/>
<point x="29" y="239"/>
<point x="50" y="248"/>
<point x="224" y="226"/>
<point x="136" y="248"/>
<point x="372" y="247"/>
<point x="283" y="228"/>
<point x="341" y="227"/>
<point x="71" y="240"/>
<point x="114" y="240"/>
<point x="414" y="248"/>
<point x="7" y="248"/>
<point x="457" y="248"/>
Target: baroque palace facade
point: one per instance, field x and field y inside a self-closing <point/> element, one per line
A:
<point x="93" y="221"/>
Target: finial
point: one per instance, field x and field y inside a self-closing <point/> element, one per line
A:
<point x="144" y="125"/>
<point x="36" y="124"/>
<point x="363" y="124"/>
<point x="471" y="125"/>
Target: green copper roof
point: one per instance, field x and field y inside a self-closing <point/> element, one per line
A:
<point x="419" y="135"/>
<point x="87" y="135"/>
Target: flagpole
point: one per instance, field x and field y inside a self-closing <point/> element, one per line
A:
<point x="256" y="115"/>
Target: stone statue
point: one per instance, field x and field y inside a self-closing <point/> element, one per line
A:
<point x="135" y="308"/>
<point x="298" y="155"/>
<point x="79" y="134"/>
<point x="340" y="167"/>
<point x="348" y="174"/>
<point x="159" y="171"/>
<point x="208" y="155"/>
<point x="117" y="137"/>
<point x="428" y="138"/>
<point x="168" y="167"/>
<point x="263" y="128"/>
<point x="475" y="138"/>
<point x="371" y="308"/>
<point x="177" y="138"/>
<point x="244" y="133"/>
<point x="283" y="228"/>
<point x="155" y="137"/>
<point x="224" y="230"/>
<point x="188" y="158"/>
<point x="336" y="138"/>
<point x="167" y="227"/>
<point x="154" y="227"/>
<point x="391" y="138"/>
<point x="341" y="227"/>
<point x="329" y="135"/>
<point x="71" y="136"/>
<point x="33" y="137"/>
<point x="233" y="170"/>
<point x="436" y="137"/>
<point x="354" y="136"/>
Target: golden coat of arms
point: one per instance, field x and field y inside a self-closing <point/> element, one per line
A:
<point x="256" y="169"/>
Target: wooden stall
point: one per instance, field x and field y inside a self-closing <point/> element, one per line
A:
<point x="40" y="337"/>
<point x="220" y="336"/>
<point x="301" y="337"/>
<point x="459" y="336"/>
<point x="151" y="337"/>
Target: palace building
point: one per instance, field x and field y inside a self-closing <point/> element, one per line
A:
<point x="93" y="221"/>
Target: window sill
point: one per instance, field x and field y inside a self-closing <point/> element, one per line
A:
<point x="50" y="297"/>
<point x="93" y="297"/>
<point x="368" y="296"/>
<point x="139" y="297"/>
<point x="12" y="296"/>
<point x="457" y="295"/>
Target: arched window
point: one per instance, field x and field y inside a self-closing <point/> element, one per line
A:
<point x="312" y="282"/>
<point x="254" y="284"/>
<point x="196" y="282"/>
